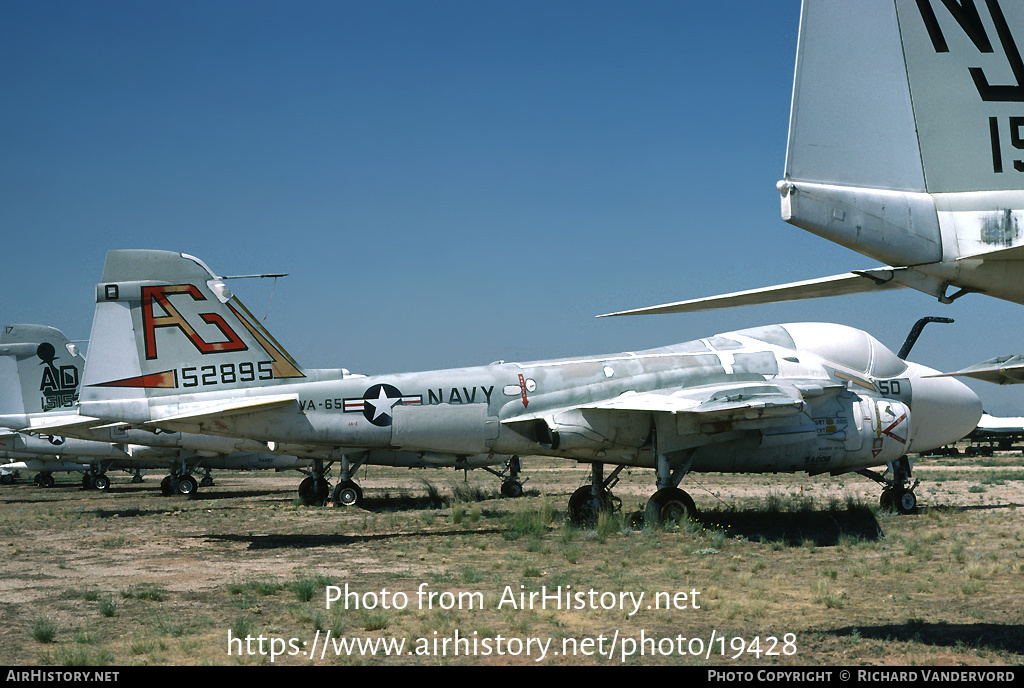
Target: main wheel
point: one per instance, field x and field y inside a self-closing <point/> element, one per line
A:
<point x="584" y="507"/>
<point x="313" y="491"/>
<point x="187" y="485"/>
<point x="100" y="482"/>
<point x="347" y="493"/>
<point x="166" y="487"/>
<point x="670" y="504"/>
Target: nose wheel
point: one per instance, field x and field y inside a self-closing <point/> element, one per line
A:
<point x="897" y="491"/>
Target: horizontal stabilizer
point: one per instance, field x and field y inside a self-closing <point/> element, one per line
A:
<point x="859" y="282"/>
<point x="59" y="425"/>
<point x="214" y="411"/>
<point x="1004" y="370"/>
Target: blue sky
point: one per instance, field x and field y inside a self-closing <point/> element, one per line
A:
<point x="447" y="182"/>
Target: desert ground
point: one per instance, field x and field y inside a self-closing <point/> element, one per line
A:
<point x="437" y="568"/>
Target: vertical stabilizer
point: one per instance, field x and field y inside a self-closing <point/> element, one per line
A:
<point x="906" y="138"/>
<point x="852" y="120"/>
<point x="40" y="370"/>
<point x="906" y="144"/>
<point x="165" y="324"/>
<point x="909" y="95"/>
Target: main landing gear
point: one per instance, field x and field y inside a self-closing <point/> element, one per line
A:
<point x="587" y="502"/>
<point x="897" y="491"/>
<point x="95" y="480"/>
<point x="44" y="479"/>
<point x="313" y="490"/>
<point x="667" y="504"/>
<point x="179" y="483"/>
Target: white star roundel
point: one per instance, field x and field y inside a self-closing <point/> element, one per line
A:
<point x="378" y="402"/>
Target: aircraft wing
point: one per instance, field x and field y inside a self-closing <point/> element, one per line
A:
<point x="722" y="404"/>
<point x="1003" y="370"/>
<point x="856" y="282"/>
<point x="746" y="400"/>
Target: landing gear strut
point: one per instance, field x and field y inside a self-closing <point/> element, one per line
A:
<point x="897" y="491"/>
<point x="347" y="492"/>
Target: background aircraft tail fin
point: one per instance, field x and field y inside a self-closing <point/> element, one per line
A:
<point x="908" y="95"/>
<point x="895" y="101"/>
<point x="40" y="370"/>
<point x="165" y="324"/>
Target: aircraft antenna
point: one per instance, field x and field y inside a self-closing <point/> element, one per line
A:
<point x="275" y="275"/>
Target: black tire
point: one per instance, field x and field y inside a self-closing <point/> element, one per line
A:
<point x="906" y="501"/>
<point x="886" y="501"/>
<point x="512" y="489"/>
<point x="313" y="491"/>
<point x="100" y="482"/>
<point x="347" y="493"/>
<point x="187" y="485"/>
<point x="584" y="508"/>
<point x="670" y="504"/>
<point x="166" y="487"/>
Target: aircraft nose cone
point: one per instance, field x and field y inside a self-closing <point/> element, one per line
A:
<point x="944" y="410"/>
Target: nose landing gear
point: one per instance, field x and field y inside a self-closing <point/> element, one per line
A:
<point x="897" y="491"/>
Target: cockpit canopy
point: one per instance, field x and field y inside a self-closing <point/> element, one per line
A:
<point x="847" y="346"/>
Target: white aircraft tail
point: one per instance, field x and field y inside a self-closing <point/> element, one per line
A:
<point x="906" y="144"/>
<point x="906" y="138"/>
<point x="40" y="370"/>
<point x="165" y="325"/>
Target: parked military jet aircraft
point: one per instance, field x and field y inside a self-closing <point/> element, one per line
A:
<point x="44" y="468"/>
<point x="997" y="431"/>
<point x="917" y="160"/>
<point x="172" y="348"/>
<point x="40" y="371"/>
<point x="40" y="379"/>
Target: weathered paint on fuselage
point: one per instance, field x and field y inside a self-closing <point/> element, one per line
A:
<point x="471" y="411"/>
